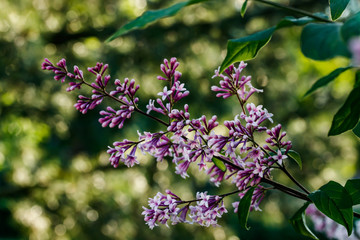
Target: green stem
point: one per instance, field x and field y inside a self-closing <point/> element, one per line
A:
<point x="294" y="10"/>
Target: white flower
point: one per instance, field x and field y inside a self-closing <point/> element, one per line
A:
<point x="165" y="93"/>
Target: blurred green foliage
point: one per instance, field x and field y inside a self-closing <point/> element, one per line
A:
<point x="55" y="179"/>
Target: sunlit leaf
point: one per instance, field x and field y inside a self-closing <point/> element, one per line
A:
<point x="334" y="201"/>
<point x="246" y="48"/>
<point x="353" y="188"/>
<point x="337" y="7"/>
<point x="299" y="223"/>
<point x="244" y="208"/>
<point x="322" y="41"/>
<point x="220" y="164"/>
<point x="325" y="80"/>
<point x="348" y="115"/>
<point x="150" y="17"/>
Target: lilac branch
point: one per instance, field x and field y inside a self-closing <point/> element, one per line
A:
<point x="135" y="106"/>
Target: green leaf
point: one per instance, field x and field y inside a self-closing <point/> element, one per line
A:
<point x="244" y="208"/>
<point x="351" y="27"/>
<point x="348" y="115"/>
<point x="337" y="7"/>
<point x="296" y="157"/>
<point x="150" y="17"/>
<point x="220" y="164"/>
<point x="321" y="41"/>
<point x="325" y="80"/>
<point x="334" y="201"/>
<point x="246" y="48"/>
<point x="356" y="130"/>
<point x="243" y="8"/>
<point x="299" y="223"/>
<point x="353" y="188"/>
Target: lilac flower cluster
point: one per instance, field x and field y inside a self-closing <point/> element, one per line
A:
<point x="233" y="84"/>
<point x="164" y="208"/>
<point x="246" y="162"/>
<point x="208" y="208"/>
<point x="176" y="90"/>
<point x="123" y="94"/>
<point x="117" y="154"/>
<point x="60" y="70"/>
<point x="330" y="228"/>
<point x="189" y="141"/>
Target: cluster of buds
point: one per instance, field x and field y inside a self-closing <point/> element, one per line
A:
<point x="188" y="141"/>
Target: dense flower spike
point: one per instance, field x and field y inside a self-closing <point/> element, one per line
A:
<point x="171" y="96"/>
<point x="235" y="156"/>
<point x="233" y="84"/>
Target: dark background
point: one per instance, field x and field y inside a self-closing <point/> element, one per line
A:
<point x="55" y="179"/>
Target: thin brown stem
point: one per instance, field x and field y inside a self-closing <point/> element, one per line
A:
<point x="293" y="179"/>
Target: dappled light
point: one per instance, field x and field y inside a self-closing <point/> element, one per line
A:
<point x="56" y="180"/>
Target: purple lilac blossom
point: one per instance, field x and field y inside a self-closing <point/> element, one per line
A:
<point x="114" y="118"/>
<point x="84" y="103"/>
<point x="78" y="75"/>
<point x="233" y="84"/>
<point x="60" y="71"/>
<point x="118" y="153"/>
<point x="165" y="208"/>
<point x="176" y="92"/>
<point x="125" y="91"/>
<point x="188" y="140"/>
<point x="207" y="209"/>
<point x="157" y="145"/>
